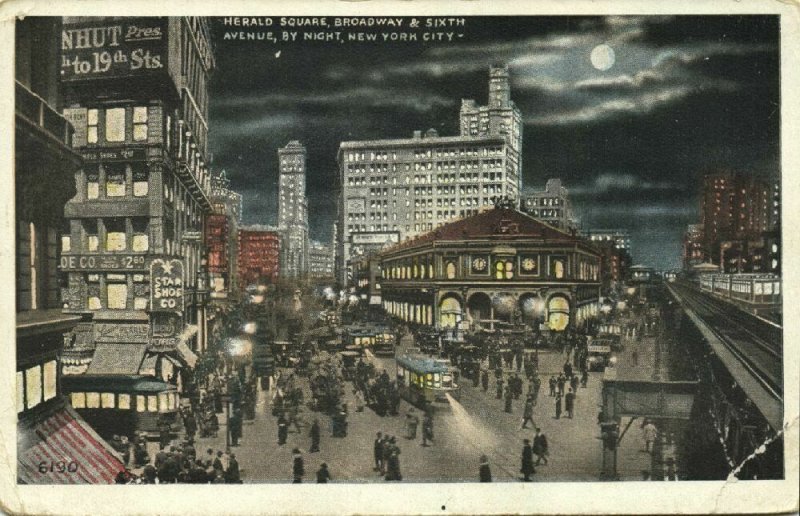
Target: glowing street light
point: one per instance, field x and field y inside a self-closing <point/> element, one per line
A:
<point x="249" y="328"/>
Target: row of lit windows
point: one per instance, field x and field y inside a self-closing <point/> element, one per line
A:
<point x="113" y="126"/>
<point x="162" y="402"/>
<point x="114" y="290"/>
<point x="545" y="201"/>
<point x="118" y="234"/>
<point x="36" y="384"/>
<point x="426" y="153"/>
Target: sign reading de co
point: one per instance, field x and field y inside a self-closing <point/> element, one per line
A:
<point x="166" y="285"/>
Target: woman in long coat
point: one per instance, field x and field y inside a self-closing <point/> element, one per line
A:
<point x="527" y="468"/>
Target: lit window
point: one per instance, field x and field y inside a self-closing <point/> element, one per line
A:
<point x="92" y="400"/>
<point x="450" y="270"/>
<point x="140" y="303"/>
<point x="78" y="399"/>
<point x="50" y="385"/>
<point x="33" y="386"/>
<point x="163" y="402"/>
<point x="91" y="134"/>
<point x="117" y="295"/>
<point x="504" y="269"/>
<point x="107" y="400"/>
<point x="66" y="243"/>
<point x="140" y="184"/>
<point x="92" y="185"/>
<point x="20" y="391"/>
<point x="152" y="403"/>
<point x="124" y="401"/>
<point x="140" y="403"/>
<point x="140" y="123"/>
<point x="115" y="125"/>
<point x="115" y="184"/>
<point x="94" y="303"/>
<point x="140" y="243"/>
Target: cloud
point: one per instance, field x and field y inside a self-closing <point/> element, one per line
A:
<point x="360" y="97"/>
<point x="609" y="182"/>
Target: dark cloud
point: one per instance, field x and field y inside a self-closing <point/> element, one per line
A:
<point x="685" y="95"/>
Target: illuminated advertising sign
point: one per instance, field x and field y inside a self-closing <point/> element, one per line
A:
<point x="120" y="48"/>
<point x="166" y="285"/>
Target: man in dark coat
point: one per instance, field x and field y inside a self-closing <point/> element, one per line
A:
<point x="232" y="475"/>
<point x="393" y="461"/>
<point x="540" y="447"/>
<point x="527" y="468"/>
<point x="484" y="472"/>
<point x="558" y="406"/>
<point x="164" y="432"/>
<point x="283" y="429"/>
<point x="499" y="395"/>
<point x="508" y="397"/>
<point x="218" y="462"/>
<point x="191" y="425"/>
<point x="323" y="475"/>
<point x="298" y="468"/>
<point x="485" y="380"/>
<point x="412" y="422"/>
<point x="377" y="451"/>
<point x="236" y="427"/>
<point x="569" y="402"/>
<point x="527" y="414"/>
<point x="427" y="429"/>
<point x="314" y="436"/>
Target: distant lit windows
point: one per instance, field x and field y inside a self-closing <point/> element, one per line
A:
<point x="115" y="125"/>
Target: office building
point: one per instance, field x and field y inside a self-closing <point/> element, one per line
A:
<point x="133" y="251"/>
<point x="259" y="256"/>
<point x="390" y="190"/>
<point x="320" y="261"/>
<point x="551" y="205"/>
<point x="49" y="431"/>
<point x="293" y="210"/>
<point x="222" y="243"/>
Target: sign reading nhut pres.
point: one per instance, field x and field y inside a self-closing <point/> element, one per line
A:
<point x="166" y="285"/>
<point x="113" y="49"/>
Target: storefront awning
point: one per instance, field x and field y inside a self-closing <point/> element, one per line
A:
<point x="64" y="440"/>
<point x="184" y="352"/>
<point x="112" y="358"/>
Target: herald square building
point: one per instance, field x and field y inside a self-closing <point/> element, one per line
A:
<point x="497" y="265"/>
<point x="132" y="253"/>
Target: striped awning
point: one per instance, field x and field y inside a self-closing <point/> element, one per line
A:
<point x="68" y="446"/>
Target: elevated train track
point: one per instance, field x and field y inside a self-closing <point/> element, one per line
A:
<point x="749" y="346"/>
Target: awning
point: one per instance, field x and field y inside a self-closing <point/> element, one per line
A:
<point x="113" y="358"/>
<point x="63" y="437"/>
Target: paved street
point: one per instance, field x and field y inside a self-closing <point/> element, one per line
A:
<point x="477" y="426"/>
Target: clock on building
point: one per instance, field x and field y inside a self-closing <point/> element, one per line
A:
<point x="529" y="265"/>
<point x="479" y="264"/>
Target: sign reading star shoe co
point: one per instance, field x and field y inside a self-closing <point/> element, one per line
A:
<point x="166" y="292"/>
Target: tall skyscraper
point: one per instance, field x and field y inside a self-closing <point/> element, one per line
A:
<point x="293" y="210"/>
<point x="133" y="250"/>
<point x="391" y="190"/>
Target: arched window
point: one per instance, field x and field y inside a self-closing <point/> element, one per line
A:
<point x="558" y="313"/>
<point x="450" y="270"/>
<point x="451" y="312"/>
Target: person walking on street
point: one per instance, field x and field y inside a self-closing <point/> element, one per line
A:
<point x="650" y="434"/>
<point x="558" y="406"/>
<point x="499" y="388"/>
<point x="527" y="468"/>
<point x="528" y="412"/>
<point x="283" y="429"/>
<point x="232" y="475"/>
<point x="540" y="447"/>
<point x="508" y="396"/>
<point x="393" y="461"/>
<point x="484" y="473"/>
<point x="427" y="429"/>
<point x="298" y="468"/>
<point x="562" y="380"/>
<point x="314" y="436"/>
<point x="584" y="378"/>
<point x="412" y="423"/>
<point x="323" y="475"/>
<point x="552" y="384"/>
<point x="573" y="383"/>
<point x="485" y="380"/>
<point x="570" y="403"/>
<point x="377" y="450"/>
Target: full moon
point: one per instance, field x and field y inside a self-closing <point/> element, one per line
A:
<point x="602" y="57"/>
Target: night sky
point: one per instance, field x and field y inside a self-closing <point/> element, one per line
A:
<point x="685" y="96"/>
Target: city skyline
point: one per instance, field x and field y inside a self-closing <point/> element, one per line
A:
<point x="630" y="137"/>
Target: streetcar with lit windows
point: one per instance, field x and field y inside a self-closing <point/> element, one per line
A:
<point x="425" y="381"/>
<point x="123" y="404"/>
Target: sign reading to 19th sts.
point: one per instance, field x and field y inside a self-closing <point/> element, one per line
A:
<point x="94" y="50"/>
<point x="166" y="285"/>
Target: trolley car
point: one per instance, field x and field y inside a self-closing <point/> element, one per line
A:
<point x="423" y="381"/>
<point x="123" y="404"/>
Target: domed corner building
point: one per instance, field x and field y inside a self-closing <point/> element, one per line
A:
<point x="497" y="265"/>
